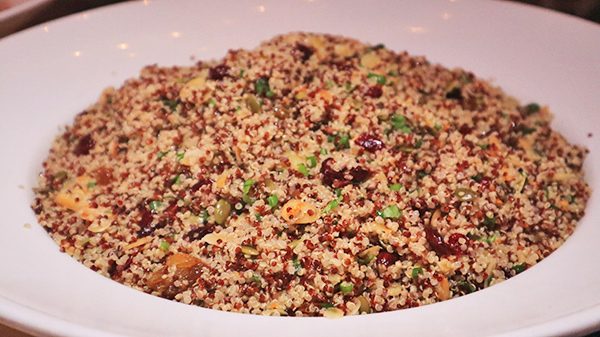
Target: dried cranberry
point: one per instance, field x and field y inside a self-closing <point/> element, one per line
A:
<point x="369" y="142"/>
<point x="438" y="244"/>
<point x="387" y="259"/>
<point x="304" y="51"/>
<point x="85" y="144"/>
<point x="145" y="222"/>
<point x="199" y="233"/>
<point x="338" y="179"/>
<point x="359" y="174"/>
<point x="330" y="176"/>
<point x="201" y="182"/>
<point x="465" y="129"/>
<point x="218" y="72"/>
<point x="455" y="93"/>
<point x="374" y="91"/>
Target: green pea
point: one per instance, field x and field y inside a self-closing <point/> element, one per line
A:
<point x="222" y="211"/>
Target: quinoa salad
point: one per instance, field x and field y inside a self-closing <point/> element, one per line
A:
<point x="312" y="176"/>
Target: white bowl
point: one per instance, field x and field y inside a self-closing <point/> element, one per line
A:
<point x="51" y="72"/>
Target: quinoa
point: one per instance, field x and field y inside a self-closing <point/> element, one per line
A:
<point x="312" y="176"/>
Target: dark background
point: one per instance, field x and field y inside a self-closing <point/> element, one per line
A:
<point x="586" y="9"/>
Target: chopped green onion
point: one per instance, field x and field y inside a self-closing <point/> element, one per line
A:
<point x="161" y="154"/>
<point x="312" y="161"/>
<point x="527" y="131"/>
<point x="340" y="141"/>
<point x="367" y="260"/>
<point x="347" y="85"/>
<point x="395" y="187"/>
<point x="164" y="246"/>
<point x="323" y="152"/>
<point x="338" y="192"/>
<point x="242" y="73"/>
<point x="302" y="169"/>
<point x="532" y="108"/>
<point x="484" y="146"/>
<point x="399" y="123"/>
<point x="331" y="205"/>
<point x="273" y="200"/>
<point x="376" y="47"/>
<point x="416" y="271"/>
<point x="296" y="264"/>
<point x="346" y="287"/>
<point x="492" y="238"/>
<point x="247" y="185"/>
<point x="205" y="216"/>
<point x="327" y="305"/>
<point x="213" y="103"/>
<point x="393" y="73"/>
<point x="171" y="104"/>
<point x="380" y="78"/>
<point x="154" y="205"/>
<point x="256" y="279"/>
<point x="392" y="212"/>
<point x="258" y="217"/>
<point x="489" y="222"/>
<point x="518" y="268"/>
<point x="262" y="88"/>
<point x="176" y="179"/>
<point x="328" y="84"/>
<point x="418" y="143"/>
<point x="91" y="184"/>
<point x="179" y="156"/>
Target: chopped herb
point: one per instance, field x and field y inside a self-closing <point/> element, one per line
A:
<point x="532" y="108"/>
<point x="399" y="123"/>
<point x="154" y="205"/>
<point x="393" y="73"/>
<point x="161" y="154"/>
<point x="474" y="237"/>
<point x="418" y="143"/>
<point x="527" y="131"/>
<point x="395" y="187"/>
<point x="340" y="141"/>
<point x="367" y="260"/>
<point x="489" y="222"/>
<point x="380" y="78"/>
<point x="296" y="264"/>
<point x="438" y="127"/>
<point x="213" y="103"/>
<point x="518" y="268"/>
<point x="390" y="212"/>
<point x="466" y="285"/>
<point x="312" y="161"/>
<point x="258" y="217"/>
<point x="273" y="200"/>
<point x="503" y="115"/>
<point x="247" y="185"/>
<point x="422" y="174"/>
<point x="302" y="169"/>
<point x="86" y="240"/>
<point x="489" y="280"/>
<point x="347" y="85"/>
<point x="262" y="88"/>
<point x="91" y="184"/>
<point x="328" y="84"/>
<point x="346" y="287"/>
<point x="492" y="238"/>
<point x="331" y="205"/>
<point x="484" y="146"/>
<point x="205" y="216"/>
<point x="242" y="73"/>
<point x="256" y="279"/>
<point x="323" y="152"/>
<point x="338" y="192"/>
<point x="327" y="305"/>
<point x="175" y="180"/>
<point x="179" y="156"/>
<point x="376" y="47"/>
<point x="416" y="271"/>
<point x="170" y="103"/>
<point x="164" y="246"/>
